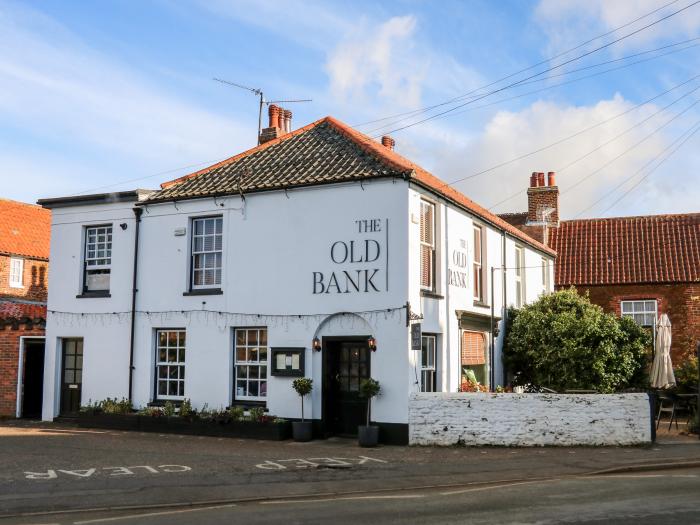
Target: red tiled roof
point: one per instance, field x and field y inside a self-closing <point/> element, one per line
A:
<point x="626" y="250"/>
<point x="25" y="229"/>
<point x="323" y="152"/>
<point x="12" y="310"/>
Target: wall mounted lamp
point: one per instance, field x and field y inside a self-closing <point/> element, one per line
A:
<point x="316" y="344"/>
<point x="372" y="343"/>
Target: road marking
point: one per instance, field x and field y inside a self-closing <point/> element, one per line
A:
<point x="151" y="514"/>
<point x="304" y="463"/>
<point x="492" y="487"/>
<point x="343" y="498"/>
<point x="108" y="471"/>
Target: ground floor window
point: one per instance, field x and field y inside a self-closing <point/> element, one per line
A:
<point x="250" y="369"/>
<point x="428" y="365"/>
<point x="170" y="364"/>
<point x="473" y="356"/>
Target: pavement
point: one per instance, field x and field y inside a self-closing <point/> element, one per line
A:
<point x="51" y="468"/>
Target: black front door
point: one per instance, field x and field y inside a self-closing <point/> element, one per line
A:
<point x="71" y="376"/>
<point x="33" y="379"/>
<point x="346" y="363"/>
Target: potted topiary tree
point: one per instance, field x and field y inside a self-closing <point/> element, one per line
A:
<point x="368" y="435"/>
<point x="301" y="430"/>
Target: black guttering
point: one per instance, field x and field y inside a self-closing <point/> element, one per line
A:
<point x="97" y="198"/>
<point x="137" y="214"/>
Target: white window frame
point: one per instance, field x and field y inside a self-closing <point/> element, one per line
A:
<point x="206" y="254"/>
<point x="478" y="265"/>
<point x="641" y="308"/>
<point x="430" y="246"/>
<point x="175" y="359"/>
<point x="97" y="254"/>
<point x="16" y="272"/>
<point x="519" y="276"/>
<point x="261" y="376"/>
<point x="428" y="369"/>
<point x="546" y="280"/>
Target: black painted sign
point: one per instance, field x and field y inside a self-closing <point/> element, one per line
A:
<point x="416" y="336"/>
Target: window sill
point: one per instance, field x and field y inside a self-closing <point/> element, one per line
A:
<point x="482" y="304"/>
<point x="430" y="294"/>
<point x="204" y="291"/>
<point x="88" y="295"/>
<point x="162" y="402"/>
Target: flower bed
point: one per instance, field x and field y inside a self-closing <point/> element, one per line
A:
<point x="113" y="415"/>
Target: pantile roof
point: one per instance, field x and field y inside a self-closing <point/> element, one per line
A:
<point x="627" y="250"/>
<point x="323" y="152"/>
<point x="25" y="229"/>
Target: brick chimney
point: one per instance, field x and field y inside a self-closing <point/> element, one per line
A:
<point x="543" y="200"/>
<point x="280" y="123"/>
<point x="388" y="142"/>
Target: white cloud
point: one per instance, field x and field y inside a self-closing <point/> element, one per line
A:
<point x="61" y="91"/>
<point x="511" y="134"/>
<point x="568" y="22"/>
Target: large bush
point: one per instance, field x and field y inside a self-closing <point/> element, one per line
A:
<point x="563" y="342"/>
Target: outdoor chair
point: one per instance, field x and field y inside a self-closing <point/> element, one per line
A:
<point x="669" y="403"/>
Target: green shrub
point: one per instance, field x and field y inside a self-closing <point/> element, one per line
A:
<point x="186" y="409"/>
<point x="369" y="388"/>
<point x="562" y="341"/>
<point x="303" y="386"/>
<point x="168" y="409"/>
<point x="236" y="413"/>
<point x="256" y="414"/>
<point x="687" y="375"/>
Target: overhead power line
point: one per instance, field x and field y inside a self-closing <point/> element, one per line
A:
<point x="678" y="143"/>
<point x="553" y="68"/>
<point x="427" y="108"/>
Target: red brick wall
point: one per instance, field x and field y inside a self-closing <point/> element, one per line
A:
<point x="9" y="355"/>
<point x="680" y="301"/>
<point x="35" y="279"/>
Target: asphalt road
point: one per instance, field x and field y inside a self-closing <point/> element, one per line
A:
<point x="666" y="497"/>
<point x="48" y="468"/>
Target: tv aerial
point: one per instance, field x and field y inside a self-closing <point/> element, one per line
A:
<point x="259" y="93"/>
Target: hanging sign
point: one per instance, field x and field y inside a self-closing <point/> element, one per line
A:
<point x="416" y="336"/>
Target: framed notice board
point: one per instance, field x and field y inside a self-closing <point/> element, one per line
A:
<point x="288" y="362"/>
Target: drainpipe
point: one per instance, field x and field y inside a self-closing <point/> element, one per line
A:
<point x="137" y="214"/>
<point x="503" y="300"/>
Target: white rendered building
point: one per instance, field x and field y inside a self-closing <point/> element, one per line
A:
<point x="296" y="257"/>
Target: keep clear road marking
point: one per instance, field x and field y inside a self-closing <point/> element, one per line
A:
<point x="151" y="514"/>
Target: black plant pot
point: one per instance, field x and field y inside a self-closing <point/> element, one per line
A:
<point x="302" y="430"/>
<point x="368" y="436"/>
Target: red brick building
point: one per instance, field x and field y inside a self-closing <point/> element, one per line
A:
<point x="639" y="267"/>
<point x="24" y="253"/>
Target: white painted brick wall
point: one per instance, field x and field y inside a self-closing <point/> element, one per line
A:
<point x="528" y="419"/>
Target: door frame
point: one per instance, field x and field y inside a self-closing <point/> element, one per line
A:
<point x="324" y="369"/>
<point x="20" y="368"/>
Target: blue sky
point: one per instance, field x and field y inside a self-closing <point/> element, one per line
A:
<point x="94" y="95"/>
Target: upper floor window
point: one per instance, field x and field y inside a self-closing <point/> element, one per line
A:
<point x="428" y="365"/>
<point x="170" y="364"/>
<point x="478" y="263"/>
<point x="519" y="267"/>
<point x="16" y="272"/>
<point x="427" y="245"/>
<point x="644" y="313"/>
<point x="98" y="258"/>
<point x="546" y="282"/>
<point x="207" y="258"/>
<point x="250" y="370"/>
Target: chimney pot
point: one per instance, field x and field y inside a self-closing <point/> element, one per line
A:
<point x="388" y="142"/>
<point x="533" y="179"/>
<point x="540" y="178"/>
<point x="551" y="179"/>
<point x="274" y="113"/>
<point x="287" y="121"/>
